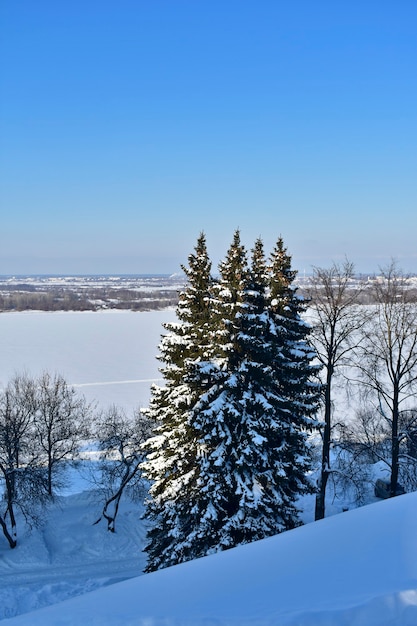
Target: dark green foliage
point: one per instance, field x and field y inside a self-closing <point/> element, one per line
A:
<point x="231" y="455"/>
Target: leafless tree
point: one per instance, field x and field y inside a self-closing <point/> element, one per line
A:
<point x="41" y="424"/>
<point x="368" y="440"/>
<point x="23" y="484"/>
<point x="61" y="422"/>
<point x="120" y="441"/>
<point x="351" y="475"/>
<point x="388" y="357"/>
<point x="337" y="318"/>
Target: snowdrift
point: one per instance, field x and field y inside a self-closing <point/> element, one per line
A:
<point x="358" y="568"/>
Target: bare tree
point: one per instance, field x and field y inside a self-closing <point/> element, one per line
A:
<point x="120" y="441"/>
<point x="388" y="357"/>
<point x="41" y="424"/>
<point x="22" y="480"/>
<point x="61" y="421"/>
<point x="367" y="439"/>
<point x="336" y="320"/>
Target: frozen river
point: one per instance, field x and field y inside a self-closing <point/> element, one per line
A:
<point x="109" y="356"/>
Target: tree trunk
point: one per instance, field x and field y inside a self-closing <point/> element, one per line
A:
<point x="325" y="457"/>
<point x="115" y="499"/>
<point x="395" y="444"/>
<point x="12" y="541"/>
<point x="50" y="478"/>
<point x="11" y="537"/>
<point x="49" y="463"/>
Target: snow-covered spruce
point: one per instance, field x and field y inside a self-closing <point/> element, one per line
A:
<point x="230" y="456"/>
<point x="171" y="461"/>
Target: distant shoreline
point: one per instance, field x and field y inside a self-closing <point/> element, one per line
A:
<point x="91" y="292"/>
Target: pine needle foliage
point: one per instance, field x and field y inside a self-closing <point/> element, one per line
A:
<point x="231" y="454"/>
<point x="170" y="464"/>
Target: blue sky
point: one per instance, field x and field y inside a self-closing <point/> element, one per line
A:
<point x="129" y="126"/>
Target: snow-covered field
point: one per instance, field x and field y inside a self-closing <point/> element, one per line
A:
<point x="357" y="568"/>
<point x="109" y="355"/>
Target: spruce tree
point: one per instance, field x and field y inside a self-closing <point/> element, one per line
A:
<point x="231" y="454"/>
<point x="255" y="418"/>
<point x="170" y="464"/>
<point x="217" y="417"/>
<point x="296" y="377"/>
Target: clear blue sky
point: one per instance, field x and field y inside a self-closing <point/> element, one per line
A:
<point x="128" y="126"/>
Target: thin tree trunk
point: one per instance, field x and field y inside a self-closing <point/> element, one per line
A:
<point x="11" y="537"/>
<point x="115" y="498"/>
<point x="12" y="541"/>
<point x="320" y="510"/>
<point x="395" y="446"/>
<point x="111" y="519"/>
<point x="49" y="477"/>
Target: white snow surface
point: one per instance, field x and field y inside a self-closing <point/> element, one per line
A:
<point x="109" y="356"/>
<point x="358" y="568"/>
<point x="68" y="554"/>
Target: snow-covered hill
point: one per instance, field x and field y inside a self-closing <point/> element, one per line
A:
<point x="358" y="568"/>
<point x="68" y="554"/>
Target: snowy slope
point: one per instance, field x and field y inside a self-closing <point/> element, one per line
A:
<point x="68" y="554"/>
<point x="358" y="568"/>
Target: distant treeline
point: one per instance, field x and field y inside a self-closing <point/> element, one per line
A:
<point x="25" y="298"/>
